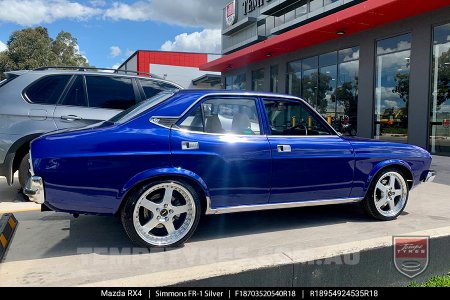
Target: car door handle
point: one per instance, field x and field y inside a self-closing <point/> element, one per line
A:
<point x="70" y="118"/>
<point x="284" y="148"/>
<point x="189" y="145"/>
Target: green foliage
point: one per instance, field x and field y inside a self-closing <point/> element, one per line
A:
<point x="32" y="48"/>
<point x="438" y="281"/>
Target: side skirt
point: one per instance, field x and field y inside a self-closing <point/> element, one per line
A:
<point x="244" y="208"/>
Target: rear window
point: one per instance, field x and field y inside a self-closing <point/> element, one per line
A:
<point x="110" y="92"/>
<point x="153" y="87"/>
<point x="9" y="79"/>
<point x="47" y="90"/>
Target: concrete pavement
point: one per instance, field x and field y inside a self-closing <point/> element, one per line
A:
<point x="53" y="249"/>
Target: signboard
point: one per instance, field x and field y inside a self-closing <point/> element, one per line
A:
<point x="230" y="13"/>
<point x="411" y="254"/>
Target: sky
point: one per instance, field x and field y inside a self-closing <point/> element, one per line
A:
<point x="109" y="31"/>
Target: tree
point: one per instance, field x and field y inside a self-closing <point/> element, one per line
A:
<point x="32" y="48"/>
<point x="443" y="88"/>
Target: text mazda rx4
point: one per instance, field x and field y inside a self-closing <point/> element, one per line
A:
<point x="165" y="162"/>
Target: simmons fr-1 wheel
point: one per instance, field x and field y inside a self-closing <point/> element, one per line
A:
<point x="387" y="196"/>
<point x="161" y="214"/>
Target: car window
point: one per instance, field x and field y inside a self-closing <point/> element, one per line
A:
<point x="47" y="90"/>
<point x="293" y="118"/>
<point x="76" y="95"/>
<point x="227" y="116"/>
<point x="153" y="87"/>
<point x="110" y="92"/>
<point x="194" y="121"/>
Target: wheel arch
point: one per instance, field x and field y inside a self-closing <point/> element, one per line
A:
<point x="150" y="176"/>
<point x="401" y="165"/>
<point x="19" y="149"/>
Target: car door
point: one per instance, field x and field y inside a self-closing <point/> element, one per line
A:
<point x="94" y="98"/>
<point x="310" y="161"/>
<point x="220" y="140"/>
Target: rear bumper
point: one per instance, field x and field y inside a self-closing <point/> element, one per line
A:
<point x="35" y="190"/>
<point x="430" y="176"/>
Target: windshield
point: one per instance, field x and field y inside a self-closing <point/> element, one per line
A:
<point x="141" y="107"/>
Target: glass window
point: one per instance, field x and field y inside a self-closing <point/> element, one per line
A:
<point x="110" y="92"/>
<point x="440" y="98"/>
<point x="329" y="83"/>
<point x="152" y="87"/>
<point x="348" y="54"/>
<point x="226" y="116"/>
<point x="274" y="79"/>
<point x="47" y="90"/>
<point x="302" y="9"/>
<point x="346" y="95"/>
<point x="328" y="59"/>
<point x="258" y="80"/>
<point x="235" y="82"/>
<point x="194" y="122"/>
<point x="293" y="118"/>
<point x="76" y="95"/>
<point x="392" y="88"/>
<point x="294" y="77"/>
<point x="315" y="5"/>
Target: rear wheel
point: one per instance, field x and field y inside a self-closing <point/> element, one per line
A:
<point x="24" y="171"/>
<point x="387" y="195"/>
<point x="161" y="214"/>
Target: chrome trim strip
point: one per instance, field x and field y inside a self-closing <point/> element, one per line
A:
<point x="258" y="207"/>
<point x="153" y="120"/>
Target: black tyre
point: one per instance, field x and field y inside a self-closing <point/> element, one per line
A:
<point x="161" y="214"/>
<point x="387" y="196"/>
<point x="24" y="171"/>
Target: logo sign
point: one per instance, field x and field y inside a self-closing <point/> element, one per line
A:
<point x="446" y="123"/>
<point x="230" y="13"/>
<point x="411" y="254"/>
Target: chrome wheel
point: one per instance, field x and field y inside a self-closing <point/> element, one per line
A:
<point x="390" y="194"/>
<point x="164" y="214"/>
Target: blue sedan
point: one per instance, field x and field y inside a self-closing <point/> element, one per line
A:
<point x="164" y="163"/>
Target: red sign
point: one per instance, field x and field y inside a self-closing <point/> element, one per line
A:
<point x="411" y="254"/>
<point x="446" y="123"/>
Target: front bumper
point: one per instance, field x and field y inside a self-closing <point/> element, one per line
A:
<point x="35" y="189"/>
<point x="430" y="176"/>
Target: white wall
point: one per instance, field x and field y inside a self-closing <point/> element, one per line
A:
<point x="181" y="75"/>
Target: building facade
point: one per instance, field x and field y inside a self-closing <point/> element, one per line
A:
<point x="382" y="66"/>
<point x="179" y="67"/>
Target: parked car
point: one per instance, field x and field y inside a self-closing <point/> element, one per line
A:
<point x="47" y="99"/>
<point x="164" y="163"/>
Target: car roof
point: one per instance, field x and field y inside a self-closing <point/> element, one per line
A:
<point x="236" y="92"/>
<point x="98" y="73"/>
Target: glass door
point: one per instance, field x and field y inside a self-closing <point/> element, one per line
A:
<point x="440" y="100"/>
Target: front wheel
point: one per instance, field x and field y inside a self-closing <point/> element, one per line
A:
<point x="387" y="196"/>
<point x="161" y="214"/>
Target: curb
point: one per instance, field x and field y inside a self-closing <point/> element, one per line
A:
<point x="8" y="225"/>
<point x="307" y="268"/>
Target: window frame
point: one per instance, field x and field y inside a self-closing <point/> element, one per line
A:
<point x="308" y="107"/>
<point x="202" y="100"/>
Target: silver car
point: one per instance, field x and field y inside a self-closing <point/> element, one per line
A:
<point x="48" y="99"/>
